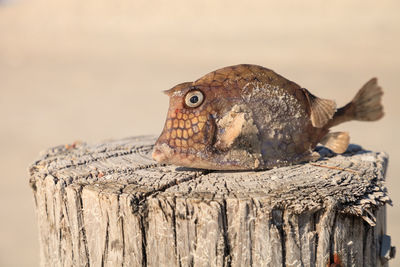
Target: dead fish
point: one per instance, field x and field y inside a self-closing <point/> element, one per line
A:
<point x="248" y="117"/>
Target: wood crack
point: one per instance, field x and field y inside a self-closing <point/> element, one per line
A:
<point x="106" y="241"/>
<point x="81" y="222"/>
<point x="227" y="250"/>
<point x="143" y="237"/>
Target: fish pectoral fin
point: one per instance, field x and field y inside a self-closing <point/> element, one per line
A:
<point x="231" y="132"/>
<point x="336" y="141"/>
<point x="322" y="110"/>
<point x="314" y="156"/>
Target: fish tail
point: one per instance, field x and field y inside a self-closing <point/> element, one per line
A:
<point x="367" y="102"/>
<point x="365" y="106"/>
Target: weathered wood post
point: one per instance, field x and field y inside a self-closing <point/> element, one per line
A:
<point x="111" y="205"/>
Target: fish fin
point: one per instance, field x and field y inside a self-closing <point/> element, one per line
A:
<point x="336" y="141"/>
<point x="232" y="131"/>
<point x="367" y="102"/>
<point x="313" y="156"/>
<point x="322" y="110"/>
<point x="365" y="106"/>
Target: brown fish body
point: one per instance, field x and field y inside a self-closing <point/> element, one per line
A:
<point x="248" y="117"/>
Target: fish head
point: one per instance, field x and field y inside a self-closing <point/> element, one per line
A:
<point x="189" y="132"/>
<point x="208" y="124"/>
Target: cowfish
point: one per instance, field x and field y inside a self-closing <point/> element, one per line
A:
<point x="247" y="117"/>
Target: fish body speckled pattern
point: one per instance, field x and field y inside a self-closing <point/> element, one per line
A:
<point x="248" y="117"/>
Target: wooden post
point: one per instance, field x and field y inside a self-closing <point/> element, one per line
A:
<point x="111" y="205"/>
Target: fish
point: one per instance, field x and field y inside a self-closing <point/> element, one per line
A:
<point x="248" y="117"/>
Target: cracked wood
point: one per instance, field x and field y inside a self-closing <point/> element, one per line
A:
<point x="110" y="204"/>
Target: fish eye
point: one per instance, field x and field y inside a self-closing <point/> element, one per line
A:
<point x="194" y="98"/>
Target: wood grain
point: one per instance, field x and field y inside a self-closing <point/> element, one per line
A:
<point x="110" y="204"/>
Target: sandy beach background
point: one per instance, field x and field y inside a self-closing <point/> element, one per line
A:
<point x="94" y="70"/>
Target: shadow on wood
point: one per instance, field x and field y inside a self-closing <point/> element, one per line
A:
<point x="110" y="204"/>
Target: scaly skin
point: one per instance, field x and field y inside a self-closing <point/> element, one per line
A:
<point x="251" y="118"/>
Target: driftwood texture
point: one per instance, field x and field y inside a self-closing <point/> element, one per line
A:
<point x="111" y="205"/>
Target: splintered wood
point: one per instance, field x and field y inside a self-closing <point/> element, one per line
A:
<point x="110" y="204"/>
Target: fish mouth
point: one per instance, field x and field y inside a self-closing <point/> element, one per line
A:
<point x="162" y="153"/>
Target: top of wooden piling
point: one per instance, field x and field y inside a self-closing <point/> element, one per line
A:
<point x="353" y="183"/>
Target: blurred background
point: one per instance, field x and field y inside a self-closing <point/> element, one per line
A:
<point x="94" y="70"/>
